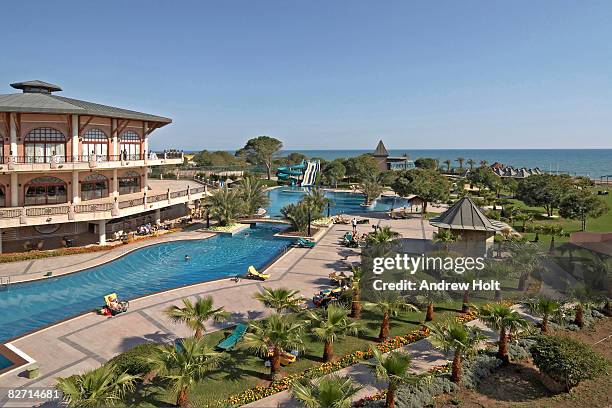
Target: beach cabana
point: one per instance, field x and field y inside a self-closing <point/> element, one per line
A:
<point x="474" y="231"/>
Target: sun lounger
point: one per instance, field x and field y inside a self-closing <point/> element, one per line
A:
<point x="254" y="273"/>
<point x="114" y="305"/>
<point x="305" y="243"/>
<point x="230" y="341"/>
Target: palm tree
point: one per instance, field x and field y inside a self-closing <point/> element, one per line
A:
<point x="330" y="325"/>
<point x="275" y="334"/>
<point x="325" y="392"/>
<point x="394" y="368"/>
<point x="389" y="306"/>
<point x="553" y="231"/>
<point x="445" y="237"/>
<point x="546" y="308"/>
<point x="184" y="366"/>
<point x="280" y="299"/>
<point x="101" y="387"/>
<point x="316" y="201"/>
<point x="371" y="188"/>
<point x="195" y="315"/>
<point x="524" y="217"/>
<point x="460" y="160"/>
<point x="253" y="194"/>
<point x="458" y="338"/>
<point x="525" y="258"/>
<point x="382" y="236"/>
<point x="498" y="271"/>
<point x="471" y="163"/>
<point x="429" y="297"/>
<point x="505" y="320"/>
<point x="448" y="165"/>
<point x="356" y="291"/>
<point x="225" y="205"/>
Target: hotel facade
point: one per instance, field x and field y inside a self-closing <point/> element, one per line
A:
<point x="78" y="169"/>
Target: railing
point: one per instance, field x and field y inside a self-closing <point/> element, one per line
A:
<point x="42" y="211"/>
<point x="178" y="194"/>
<point x="11" y="213"/>
<point x="131" y="203"/>
<point x="86" y="208"/>
<point x="86" y="158"/>
<point x="156" y="198"/>
<point x="197" y="190"/>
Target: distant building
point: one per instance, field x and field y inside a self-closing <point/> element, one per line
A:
<point x="386" y="162"/>
<point x="508" y="171"/>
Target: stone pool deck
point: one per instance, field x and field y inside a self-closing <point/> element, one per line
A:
<point x="85" y="342"/>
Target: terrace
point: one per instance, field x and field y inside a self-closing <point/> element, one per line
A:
<point x="87" y="162"/>
<point x="161" y="193"/>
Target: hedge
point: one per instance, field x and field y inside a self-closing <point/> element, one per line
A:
<point x="132" y="361"/>
<point x="567" y="361"/>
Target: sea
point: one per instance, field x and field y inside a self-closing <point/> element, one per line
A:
<point x="592" y="163"/>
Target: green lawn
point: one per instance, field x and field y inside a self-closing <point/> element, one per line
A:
<point x="243" y="369"/>
<point x="601" y="224"/>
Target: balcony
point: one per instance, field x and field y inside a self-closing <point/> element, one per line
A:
<point x="65" y="163"/>
<point x="162" y="194"/>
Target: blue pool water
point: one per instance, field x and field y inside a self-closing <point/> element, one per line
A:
<point x="342" y="202"/>
<point x="28" y="306"/>
<point x="4" y="362"/>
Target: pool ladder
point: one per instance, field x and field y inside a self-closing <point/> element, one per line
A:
<point x="5" y="281"/>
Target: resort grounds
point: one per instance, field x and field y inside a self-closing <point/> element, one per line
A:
<point x="83" y="343"/>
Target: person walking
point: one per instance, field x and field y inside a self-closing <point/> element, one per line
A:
<point x="354" y="224"/>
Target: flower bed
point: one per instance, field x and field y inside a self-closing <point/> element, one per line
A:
<point x="285" y="383"/>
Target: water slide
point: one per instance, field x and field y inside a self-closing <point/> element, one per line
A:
<point x="307" y="171"/>
<point x="310" y="175"/>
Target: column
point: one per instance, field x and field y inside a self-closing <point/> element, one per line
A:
<point x="145" y="179"/>
<point x="76" y="198"/>
<point x="0" y="241"/>
<point x="14" y="190"/>
<point x="13" y="133"/>
<point x="75" y="138"/>
<point x="115" y="151"/>
<point x="102" y="232"/>
<point x="145" y="138"/>
<point x="115" y="186"/>
<point x="157" y="216"/>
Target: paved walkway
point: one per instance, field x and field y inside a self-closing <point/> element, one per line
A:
<point x="424" y="357"/>
<point x="87" y="341"/>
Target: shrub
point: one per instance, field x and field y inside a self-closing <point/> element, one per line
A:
<point x="567" y="361"/>
<point x="132" y="361"/>
<point x="297" y="215"/>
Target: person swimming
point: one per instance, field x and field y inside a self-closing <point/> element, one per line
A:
<point x="187" y="258"/>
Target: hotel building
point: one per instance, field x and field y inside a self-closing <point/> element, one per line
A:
<point x="79" y="170"/>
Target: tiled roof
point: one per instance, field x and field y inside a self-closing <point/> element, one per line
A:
<point x="465" y="215"/>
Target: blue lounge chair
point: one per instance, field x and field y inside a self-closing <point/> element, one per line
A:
<point x="231" y="340"/>
<point x="305" y="243"/>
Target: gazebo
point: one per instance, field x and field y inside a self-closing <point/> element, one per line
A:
<point x="475" y="232"/>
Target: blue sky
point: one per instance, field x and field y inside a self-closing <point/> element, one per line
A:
<point x="330" y="74"/>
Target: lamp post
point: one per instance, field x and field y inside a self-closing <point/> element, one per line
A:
<point x="328" y="205"/>
<point x="308" y="220"/>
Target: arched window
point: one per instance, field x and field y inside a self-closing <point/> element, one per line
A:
<point x="2" y="196"/>
<point x="45" y="190"/>
<point x="94" y="186"/>
<point x="130" y="145"/>
<point x="95" y="143"/>
<point x="42" y="144"/>
<point x="129" y="183"/>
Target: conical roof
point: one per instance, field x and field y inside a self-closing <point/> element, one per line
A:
<point x="381" y="150"/>
<point x="465" y="215"/>
<point x="36" y="86"/>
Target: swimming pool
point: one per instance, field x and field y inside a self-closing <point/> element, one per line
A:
<point x="28" y="306"/>
<point x="4" y="362"/>
<point x="342" y="202"/>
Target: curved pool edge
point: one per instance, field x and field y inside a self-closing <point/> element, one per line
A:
<point x="112" y="257"/>
<point x="140" y="298"/>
